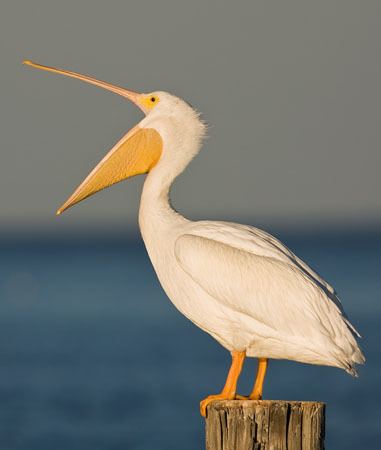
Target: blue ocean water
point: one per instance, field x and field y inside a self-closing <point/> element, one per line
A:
<point x="93" y="356"/>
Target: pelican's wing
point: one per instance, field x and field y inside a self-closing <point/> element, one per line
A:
<point x="253" y="273"/>
<point x="260" y="243"/>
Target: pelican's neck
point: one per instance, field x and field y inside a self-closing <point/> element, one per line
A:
<point x="156" y="211"/>
<point x="155" y="194"/>
<point x="182" y="138"/>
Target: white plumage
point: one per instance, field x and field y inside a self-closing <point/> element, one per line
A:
<point x="236" y="282"/>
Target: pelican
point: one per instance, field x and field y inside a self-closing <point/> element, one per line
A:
<point x="238" y="283"/>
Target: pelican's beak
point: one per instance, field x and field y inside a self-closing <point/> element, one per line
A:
<point x="136" y="153"/>
<point x="131" y="95"/>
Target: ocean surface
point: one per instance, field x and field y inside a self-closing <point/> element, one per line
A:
<point x="93" y="356"/>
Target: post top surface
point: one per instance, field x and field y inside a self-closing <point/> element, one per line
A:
<point x="219" y="404"/>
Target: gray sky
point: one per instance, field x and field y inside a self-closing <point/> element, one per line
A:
<point x="291" y="91"/>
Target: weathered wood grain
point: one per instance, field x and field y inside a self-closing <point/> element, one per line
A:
<point x="265" y="425"/>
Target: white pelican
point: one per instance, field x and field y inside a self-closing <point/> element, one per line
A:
<point x="236" y="282"/>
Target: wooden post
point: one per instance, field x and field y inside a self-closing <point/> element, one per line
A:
<point x="265" y="425"/>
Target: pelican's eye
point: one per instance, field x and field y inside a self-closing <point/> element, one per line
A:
<point x="149" y="101"/>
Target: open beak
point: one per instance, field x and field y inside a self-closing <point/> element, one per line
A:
<point x="136" y="153"/>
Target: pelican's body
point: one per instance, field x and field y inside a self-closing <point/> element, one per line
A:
<point x="237" y="283"/>
<point x="280" y="312"/>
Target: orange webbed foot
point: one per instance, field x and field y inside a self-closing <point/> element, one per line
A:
<point x="211" y="398"/>
<point x="248" y="397"/>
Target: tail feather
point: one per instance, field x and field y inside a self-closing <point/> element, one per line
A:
<point x="349" y="364"/>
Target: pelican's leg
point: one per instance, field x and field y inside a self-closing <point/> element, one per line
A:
<point x="229" y="390"/>
<point x="256" y="393"/>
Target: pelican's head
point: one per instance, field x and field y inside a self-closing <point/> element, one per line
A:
<point x="169" y="119"/>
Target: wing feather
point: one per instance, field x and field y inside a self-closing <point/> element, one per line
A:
<point x="265" y="288"/>
<point x="253" y="273"/>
